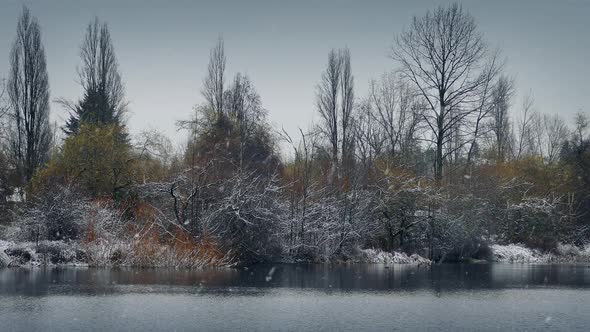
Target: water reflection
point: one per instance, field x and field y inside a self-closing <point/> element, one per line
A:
<point x="438" y="278"/>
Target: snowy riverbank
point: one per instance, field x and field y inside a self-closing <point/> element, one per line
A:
<point x="517" y="253"/>
<point x="51" y="253"/>
<point x="375" y="256"/>
<point x="29" y="254"/>
<point x="103" y="254"/>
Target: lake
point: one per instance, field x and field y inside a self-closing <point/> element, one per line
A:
<point x="495" y="297"/>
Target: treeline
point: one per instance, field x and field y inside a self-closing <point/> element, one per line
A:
<point x="437" y="158"/>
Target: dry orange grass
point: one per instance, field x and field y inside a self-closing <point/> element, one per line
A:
<point x="145" y="242"/>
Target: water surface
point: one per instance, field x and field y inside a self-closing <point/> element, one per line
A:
<point x="493" y="297"/>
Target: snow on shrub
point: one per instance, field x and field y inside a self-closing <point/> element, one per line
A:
<point x="518" y="253"/>
<point x="381" y="257"/>
<point x="53" y="215"/>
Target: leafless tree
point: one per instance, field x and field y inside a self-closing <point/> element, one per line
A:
<point x="444" y="55"/>
<point x="28" y="91"/>
<point x="486" y="105"/>
<point x="382" y="96"/>
<point x="301" y="188"/>
<point x="327" y="103"/>
<point x="154" y="144"/>
<point x="539" y="134"/>
<point x="411" y="110"/>
<point x="154" y="155"/>
<point x="4" y="113"/>
<point x="525" y="137"/>
<point x="347" y="103"/>
<point x="244" y="107"/>
<point x="99" y="69"/>
<point x="396" y="109"/>
<point x="582" y="123"/>
<point x="103" y="99"/>
<point x="213" y="85"/>
<point x="335" y="102"/>
<point x="369" y="137"/>
<point x="556" y="133"/>
<point x="4" y="164"/>
<point x="500" y="124"/>
<point x="242" y="102"/>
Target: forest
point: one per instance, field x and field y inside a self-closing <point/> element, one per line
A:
<point x="438" y="159"/>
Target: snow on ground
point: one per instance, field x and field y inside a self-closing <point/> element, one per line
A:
<point x="43" y="253"/>
<point x="517" y="253"/>
<point x="4" y="259"/>
<point x="383" y="257"/>
<point x="62" y="253"/>
<point x="102" y="253"/>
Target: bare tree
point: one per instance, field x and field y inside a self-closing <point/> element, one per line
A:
<point x="335" y="102"/>
<point x="382" y="96"/>
<point x="347" y="103"/>
<point x="396" y="109"/>
<point x="582" y="123"/>
<point x="4" y="164"/>
<point x="539" y="135"/>
<point x="301" y="188"/>
<point x="243" y="106"/>
<point x="103" y="100"/>
<point x="369" y="137"/>
<point x="444" y="56"/>
<point x="99" y="65"/>
<point x="28" y="91"/>
<point x="242" y="103"/>
<point x="556" y="133"/>
<point x="213" y="85"/>
<point x="327" y="103"/>
<point x="525" y="139"/>
<point x="4" y="113"/>
<point x="486" y="105"/>
<point x="154" y="154"/>
<point x="500" y="124"/>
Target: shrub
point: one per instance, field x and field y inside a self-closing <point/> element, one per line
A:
<point x="55" y="214"/>
<point x="95" y="159"/>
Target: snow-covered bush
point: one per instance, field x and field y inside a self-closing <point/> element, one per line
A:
<point x="43" y="253"/>
<point x="381" y="257"/>
<point x="536" y="221"/>
<point x="53" y="215"/>
<point x="416" y="216"/>
<point x="241" y="213"/>
<point x="519" y="253"/>
<point x="515" y="253"/>
<point x="245" y="218"/>
<point x="329" y="226"/>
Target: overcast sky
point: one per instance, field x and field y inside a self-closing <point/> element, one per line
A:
<point x="163" y="49"/>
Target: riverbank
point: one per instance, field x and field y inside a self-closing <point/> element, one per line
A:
<point x="103" y="254"/>
<point x="517" y="253"/>
<point x="44" y="253"/>
<point x="59" y="253"/>
<point x="375" y="256"/>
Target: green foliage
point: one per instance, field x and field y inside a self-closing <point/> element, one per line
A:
<point x="93" y="109"/>
<point x="95" y="159"/>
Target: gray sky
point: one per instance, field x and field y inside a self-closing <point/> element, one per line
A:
<point x="163" y="48"/>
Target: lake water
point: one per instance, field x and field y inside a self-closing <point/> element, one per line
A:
<point x="495" y="297"/>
